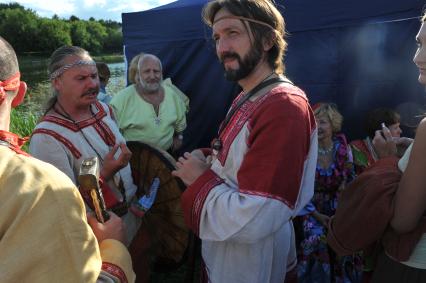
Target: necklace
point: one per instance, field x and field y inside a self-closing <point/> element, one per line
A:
<point x="217" y="143"/>
<point x="325" y="151"/>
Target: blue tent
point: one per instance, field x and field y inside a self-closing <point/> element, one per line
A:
<point x="357" y="54"/>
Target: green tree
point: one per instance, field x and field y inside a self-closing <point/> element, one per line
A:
<point x="53" y="34"/>
<point x="98" y="34"/>
<point x="19" y="27"/>
<point x="79" y="34"/>
<point x="114" y="40"/>
<point x="13" y="5"/>
<point x="73" y="18"/>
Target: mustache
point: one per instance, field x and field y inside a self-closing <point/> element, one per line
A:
<point x="229" y="55"/>
<point x="90" y="91"/>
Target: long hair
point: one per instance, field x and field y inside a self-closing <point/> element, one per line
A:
<point x="133" y="68"/>
<point x="258" y="10"/>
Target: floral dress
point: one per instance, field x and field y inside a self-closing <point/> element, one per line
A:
<point x="317" y="263"/>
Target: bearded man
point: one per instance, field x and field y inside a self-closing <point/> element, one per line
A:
<point x="242" y="194"/>
<point x="150" y="111"/>
<point x="43" y="228"/>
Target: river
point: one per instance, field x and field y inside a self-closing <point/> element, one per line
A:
<point x="34" y="73"/>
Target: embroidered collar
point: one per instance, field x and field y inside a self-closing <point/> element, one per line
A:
<point x="13" y="141"/>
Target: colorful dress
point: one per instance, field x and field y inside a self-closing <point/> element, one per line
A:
<point x="317" y="262"/>
<point x="364" y="154"/>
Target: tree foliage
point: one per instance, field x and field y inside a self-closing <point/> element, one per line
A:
<point x="27" y="32"/>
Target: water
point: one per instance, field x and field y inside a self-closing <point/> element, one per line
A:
<point x="34" y="72"/>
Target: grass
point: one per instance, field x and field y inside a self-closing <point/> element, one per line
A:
<point x="24" y="118"/>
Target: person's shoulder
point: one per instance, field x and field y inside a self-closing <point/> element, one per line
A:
<point x="288" y="97"/>
<point x="31" y="169"/>
<point x="123" y="94"/>
<point x="422" y="126"/>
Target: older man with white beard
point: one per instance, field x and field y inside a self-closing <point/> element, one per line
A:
<point x="150" y="111"/>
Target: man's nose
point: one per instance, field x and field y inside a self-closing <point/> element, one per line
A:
<point x="222" y="46"/>
<point x="93" y="82"/>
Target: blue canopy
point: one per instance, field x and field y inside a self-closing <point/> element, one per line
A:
<point x="357" y="54"/>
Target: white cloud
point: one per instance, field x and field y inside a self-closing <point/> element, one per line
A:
<point x="99" y="9"/>
<point x="49" y="7"/>
<point x="94" y="4"/>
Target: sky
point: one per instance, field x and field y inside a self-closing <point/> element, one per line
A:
<point x="84" y="9"/>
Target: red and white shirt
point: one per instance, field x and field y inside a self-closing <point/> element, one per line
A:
<point x="264" y="174"/>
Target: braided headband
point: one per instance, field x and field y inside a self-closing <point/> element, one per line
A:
<point x="11" y="83"/>
<point x="66" y="67"/>
<point x="243" y="19"/>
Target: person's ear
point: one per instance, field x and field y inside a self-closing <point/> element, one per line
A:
<point x="57" y="83"/>
<point x="268" y="42"/>
<point x="21" y="94"/>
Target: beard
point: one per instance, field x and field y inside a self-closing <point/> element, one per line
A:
<point x="246" y="65"/>
<point x="150" y="87"/>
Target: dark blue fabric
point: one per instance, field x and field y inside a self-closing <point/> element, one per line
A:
<point x="357" y="54"/>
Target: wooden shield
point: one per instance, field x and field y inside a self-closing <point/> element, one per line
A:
<point x="163" y="236"/>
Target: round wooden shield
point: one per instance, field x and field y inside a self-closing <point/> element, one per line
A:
<point x="163" y="235"/>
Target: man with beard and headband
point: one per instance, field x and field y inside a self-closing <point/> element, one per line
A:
<point x="45" y="232"/>
<point x="77" y="126"/>
<point x="243" y="193"/>
<point x="149" y="110"/>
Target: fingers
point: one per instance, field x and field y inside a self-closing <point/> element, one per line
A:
<point x="386" y="132"/>
<point x="187" y="155"/>
<point x="113" y="151"/>
<point x="91" y="219"/>
<point x="126" y="154"/>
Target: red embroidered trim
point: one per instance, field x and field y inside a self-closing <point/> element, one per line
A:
<point x="267" y="195"/>
<point x="96" y="121"/>
<point x="200" y="199"/>
<point x="115" y="271"/>
<point x="236" y="124"/>
<point x="80" y="125"/>
<point x="111" y="112"/>
<point x="244" y="113"/>
<point x="105" y="132"/>
<point x="62" y="139"/>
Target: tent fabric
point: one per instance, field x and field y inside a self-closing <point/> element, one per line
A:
<point x="357" y="54"/>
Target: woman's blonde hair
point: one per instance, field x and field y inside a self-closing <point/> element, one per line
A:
<point x="330" y="111"/>
<point x="133" y="68"/>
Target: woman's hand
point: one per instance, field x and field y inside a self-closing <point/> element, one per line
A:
<point x="384" y="143"/>
<point x="321" y="218"/>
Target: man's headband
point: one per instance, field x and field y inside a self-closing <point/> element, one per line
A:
<point x="243" y="19"/>
<point x="11" y="83"/>
<point x="66" y="67"/>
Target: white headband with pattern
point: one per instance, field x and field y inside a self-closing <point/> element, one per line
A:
<point x="66" y="67"/>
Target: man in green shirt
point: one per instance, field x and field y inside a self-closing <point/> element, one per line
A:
<point x="152" y="110"/>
